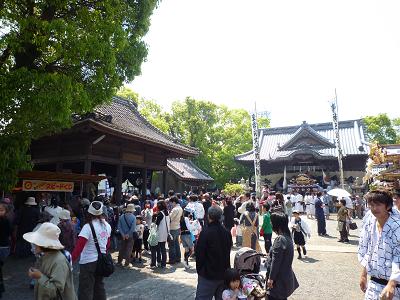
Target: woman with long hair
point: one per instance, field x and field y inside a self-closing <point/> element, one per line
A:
<point x="281" y="281"/>
<point x="229" y="214"/>
<point x="163" y="228"/>
<point x="91" y="285"/>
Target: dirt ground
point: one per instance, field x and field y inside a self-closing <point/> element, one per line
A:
<point x="330" y="272"/>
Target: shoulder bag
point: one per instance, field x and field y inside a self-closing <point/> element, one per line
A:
<point x="134" y="234"/>
<point x="105" y="264"/>
<point x="170" y="238"/>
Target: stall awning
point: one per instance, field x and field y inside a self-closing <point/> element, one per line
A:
<point x="59" y="176"/>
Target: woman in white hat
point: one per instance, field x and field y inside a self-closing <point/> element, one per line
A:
<point x="91" y="286"/>
<point x="53" y="277"/>
<point x="67" y="235"/>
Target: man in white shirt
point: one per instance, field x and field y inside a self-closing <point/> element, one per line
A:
<point x="175" y="215"/>
<point x="198" y="208"/>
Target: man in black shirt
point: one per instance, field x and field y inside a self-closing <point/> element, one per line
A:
<point x="212" y="256"/>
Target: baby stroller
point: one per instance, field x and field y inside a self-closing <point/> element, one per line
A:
<point x="248" y="262"/>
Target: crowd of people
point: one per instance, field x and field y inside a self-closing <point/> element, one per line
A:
<point x="59" y="234"/>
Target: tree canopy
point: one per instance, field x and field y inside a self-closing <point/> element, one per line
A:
<point x="382" y="129"/>
<point x="58" y="58"/>
<point x="218" y="131"/>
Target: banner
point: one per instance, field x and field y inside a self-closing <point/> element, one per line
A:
<point x="47" y="186"/>
<point x="256" y="151"/>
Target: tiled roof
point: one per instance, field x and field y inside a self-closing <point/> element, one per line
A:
<point x="185" y="169"/>
<point x="125" y="118"/>
<point x="271" y="139"/>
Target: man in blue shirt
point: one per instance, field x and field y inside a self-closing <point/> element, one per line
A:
<point x="127" y="229"/>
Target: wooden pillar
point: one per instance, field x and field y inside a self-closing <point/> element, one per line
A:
<point x="164" y="180"/>
<point x="87" y="169"/>
<point x="118" y="185"/>
<point x="59" y="167"/>
<point x="144" y="182"/>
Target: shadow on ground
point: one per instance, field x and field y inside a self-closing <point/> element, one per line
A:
<point x="134" y="283"/>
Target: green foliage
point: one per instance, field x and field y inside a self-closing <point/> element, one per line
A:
<point x="220" y="134"/>
<point x="58" y="58"/>
<point x="233" y="189"/>
<point x="382" y="129"/>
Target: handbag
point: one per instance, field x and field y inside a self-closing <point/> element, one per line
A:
<point x="105" y="264"/>
<point x="170" y="238"/>
<point x="262" y="231"/>
<point x="353" y="225"/>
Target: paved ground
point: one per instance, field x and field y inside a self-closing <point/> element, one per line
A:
<point x="330" y="269"/>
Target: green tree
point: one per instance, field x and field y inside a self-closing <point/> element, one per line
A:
<point x="219" y="132"/>
<point x="58" y="58"/>
<point x="233" y="189"/>
<point x="381" y="129"/>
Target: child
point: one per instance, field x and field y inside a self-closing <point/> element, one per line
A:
<point x="186" y="236"/>
<point x="232" y="285"/>
<point x="342" y="217"/>
<point x="267" y="227"/>
<point x="300" y="232"/>
<point x="137" y="247"/>
<point x="239" y="235"/>
<point x="5" y="233"/>
<point x="153" y="242"/>
<point x="53" y="278"/>
<point x="147" y="215"/>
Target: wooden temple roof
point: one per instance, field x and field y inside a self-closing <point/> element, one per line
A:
<point x="121" y="117"/>
<point x="186" y="170"/>
<point x="282" y="143"/>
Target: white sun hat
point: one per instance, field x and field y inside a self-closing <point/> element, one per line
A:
<point x="92" y="208"/>
<point x="46" y="236"/>
<point x="64" y="215"/>
<point x="30" y="201"/>
<point x="130" y="208"/>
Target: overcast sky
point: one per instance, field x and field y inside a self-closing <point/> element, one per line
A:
<point x="287" y="55"/>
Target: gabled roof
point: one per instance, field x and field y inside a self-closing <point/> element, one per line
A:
<point x="275" y="143"/>
<point x="186" y="170"/>
<point x="122" y="118"/>
<point x="306" y="131"/>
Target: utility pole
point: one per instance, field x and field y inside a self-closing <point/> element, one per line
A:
<point x="334" y="107"/>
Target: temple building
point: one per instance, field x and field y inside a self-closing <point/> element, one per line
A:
<point x="117" y="141"/>
<point x="310" y="149"/>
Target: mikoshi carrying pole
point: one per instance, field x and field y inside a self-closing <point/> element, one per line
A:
<point x="334" y="107"/>
<point x="256" y="151"/>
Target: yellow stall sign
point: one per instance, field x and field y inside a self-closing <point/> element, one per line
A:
<point x="47" y="186"/>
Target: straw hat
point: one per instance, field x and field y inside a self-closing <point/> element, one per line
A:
<point x="30" y="201"/>
<point x="64" y="215"/>
<point x="46" y="236"/>
<point x="134" y="197"/>
<point x="130" y="208"/>
<point x="92" y="208"/>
